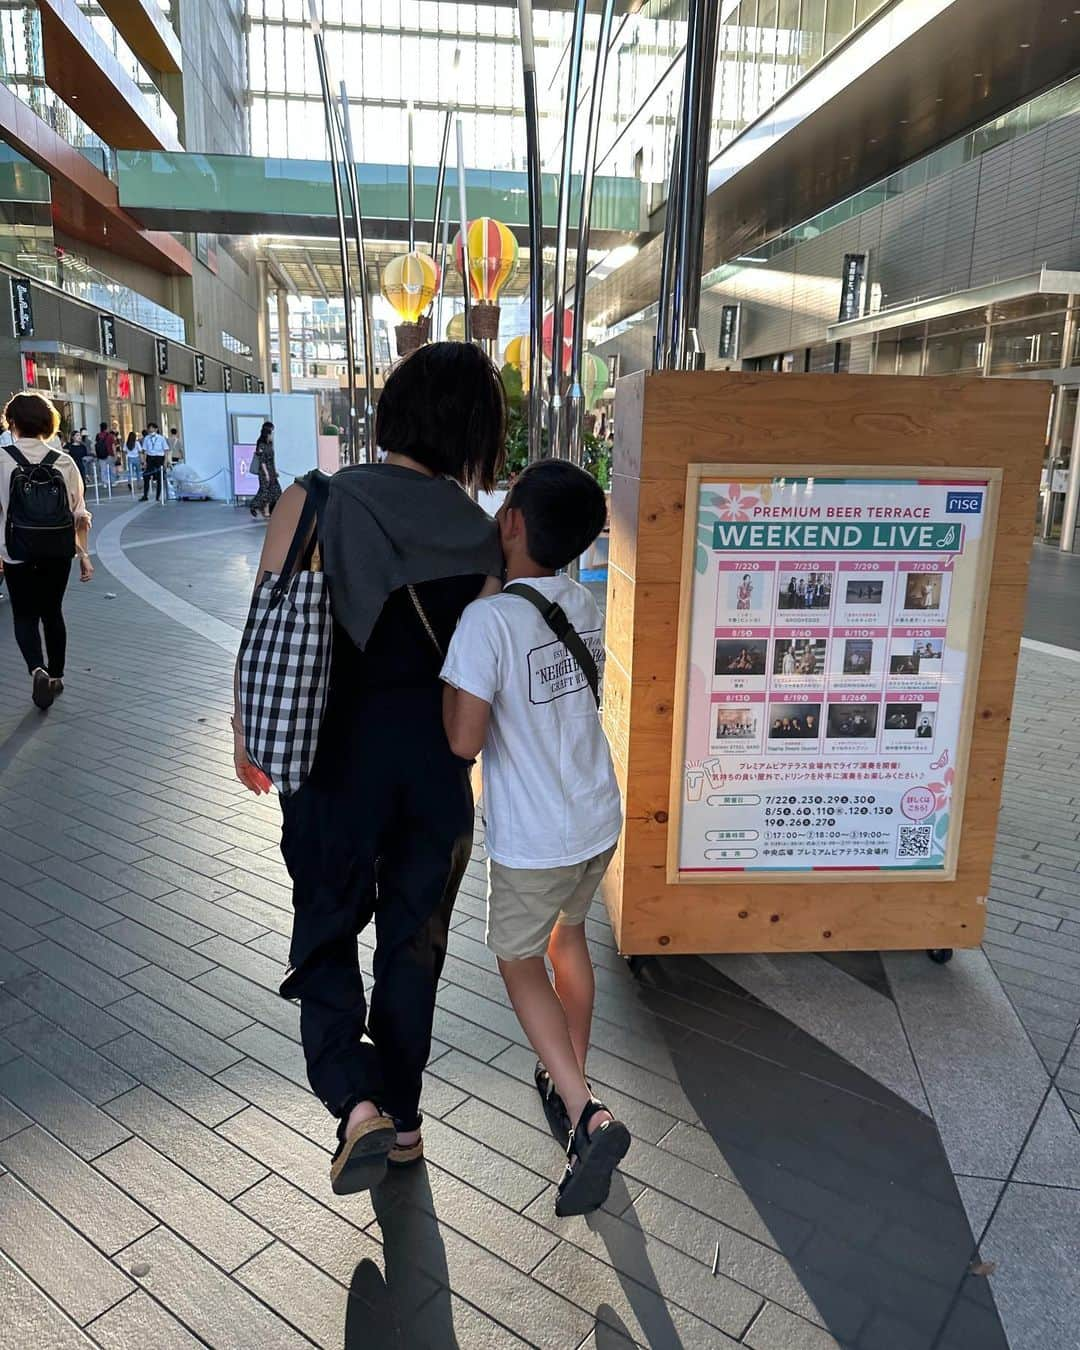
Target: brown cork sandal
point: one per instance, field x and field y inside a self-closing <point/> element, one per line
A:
<point x="402" y="1155"/>
<point x="360" y="1160"/>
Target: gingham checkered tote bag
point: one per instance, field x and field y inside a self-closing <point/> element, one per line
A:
<point x="284" y="661"/>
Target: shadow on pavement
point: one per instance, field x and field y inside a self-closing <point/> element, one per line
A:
<point x="851" y="1183"/>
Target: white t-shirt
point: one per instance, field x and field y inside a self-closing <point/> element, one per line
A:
<point x="550" y="795"/>
<point x="155" y="444"/>
<point x="35" y="451"/>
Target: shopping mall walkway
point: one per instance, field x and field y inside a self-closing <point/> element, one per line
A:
<point x="869" y="1152"/>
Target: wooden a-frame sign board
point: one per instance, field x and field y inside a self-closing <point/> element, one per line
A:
<point x="672" y="430"/>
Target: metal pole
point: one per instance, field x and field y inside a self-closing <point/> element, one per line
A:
<point x="284" y="346"/>
<point x="667" y="261"/>
<point x="412" y="178"/>
<point x="536" y="235"/>
<point x="558" y="307"/>
<point x="463" y="211"/>
<point x="440" y="183"/>
<point x="576" y="406"/>
<point x="442" y="271"/>
<point x="702" y="32"/>
<point x="339" y="210"/>
<point x="361" y="264"/>
<point x="1072" y="495"/>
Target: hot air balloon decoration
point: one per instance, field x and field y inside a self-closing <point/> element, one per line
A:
<point x="409" y="284"/>
<point x="547" y="334"/>
<point x="517" y="355"/>
<point x="493" y="256"/>
<point x="594" y="379"/>
<point x="455" y="329"/>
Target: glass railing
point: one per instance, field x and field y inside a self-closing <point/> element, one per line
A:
<point x="75" y="276"/>
<point x="130" y="64"/>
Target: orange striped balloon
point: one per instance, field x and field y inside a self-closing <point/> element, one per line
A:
<point x="493" y="257"/>
<point x="409" y="283"/>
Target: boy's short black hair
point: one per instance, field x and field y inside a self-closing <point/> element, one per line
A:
<point x="445" y="407"/>
<point x="564" y="510"/>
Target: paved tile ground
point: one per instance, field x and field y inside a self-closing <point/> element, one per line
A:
<point x="163" y="1165"/>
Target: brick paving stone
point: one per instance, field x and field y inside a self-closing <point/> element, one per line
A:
<point x="71" y="1060"/>
<point x="86" y="979"/>
<point x="205" y="1298"/>
<point x="263" y="1006"/>
<point x="774" y="1327"/>
<point x="93" y="1206"/>
<point x="277" y="1052"/>
<point x="138" y="1323"/>
<point x="72" y="1272"/>
<point x="94" y="946"/>
<point x="175" y="1079"/>
<point x="210" y="915"/>
<point x="163" y="917"/>
<point x="31" y="1319"/>
<point x="314" y="1303"/>
<point x="63" y="1112"/>
<point x="24" y="906"/>
<point x="210" y="1224"/>
<point x="176" y="1033"/>
<point x="12" y="1119"/>
<point x="195" y="1004"/>
<point x="162" y="951"/>
<point x="66" y="900"/>
<point x="187" y="1141"/>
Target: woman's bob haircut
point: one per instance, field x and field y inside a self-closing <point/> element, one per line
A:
<point x="445" y="407"/>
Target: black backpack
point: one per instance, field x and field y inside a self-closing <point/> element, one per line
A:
<point x="39" y="524"/>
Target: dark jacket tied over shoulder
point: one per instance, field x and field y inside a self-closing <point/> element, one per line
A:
<point x="385" y="527"/>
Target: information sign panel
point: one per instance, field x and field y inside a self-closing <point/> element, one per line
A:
<point x="830" y="635"/>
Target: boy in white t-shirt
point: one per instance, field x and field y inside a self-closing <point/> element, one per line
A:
<point x="528" y="699"/>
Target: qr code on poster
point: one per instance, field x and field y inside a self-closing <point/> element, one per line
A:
<point x="915" y="841"/>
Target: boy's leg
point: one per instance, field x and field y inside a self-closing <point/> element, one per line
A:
<point x="575" y="983"/>
<point x="543" y="1019"/>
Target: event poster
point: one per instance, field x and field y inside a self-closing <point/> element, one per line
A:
<point x="831" y="630"/>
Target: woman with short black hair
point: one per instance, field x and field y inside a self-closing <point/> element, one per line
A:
<point x="37" y="547"/>
<point x="383" y="826"/>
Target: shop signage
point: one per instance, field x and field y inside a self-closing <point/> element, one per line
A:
<point x="249" y="384"/>
<point x="22" y="308"/>
<point x="200" y="368"/>
<point x="29" y="371"/>
<point x="827" y="679"/>
<point x="852" y="286"/>
<point x="107" y="334"/>
<point x="226" y="379"/>
<point x="161" y="352"/>
<point x="729" y="332"/>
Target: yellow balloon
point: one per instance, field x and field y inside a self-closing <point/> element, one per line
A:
<point x="409" y="283"/>
<point x="517" y="355"/>
<point x="455" y="329"/>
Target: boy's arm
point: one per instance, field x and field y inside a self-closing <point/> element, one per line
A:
<point x="465" y="719"/>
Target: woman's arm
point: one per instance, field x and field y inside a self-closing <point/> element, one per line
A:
<point x="275" y="549"/>
<point x="83" y="521"/>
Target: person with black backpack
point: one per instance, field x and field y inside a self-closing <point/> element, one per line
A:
<point x="45" y="525"/>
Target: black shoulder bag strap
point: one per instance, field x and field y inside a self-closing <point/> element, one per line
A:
<point x="18" y="456"/>
<point x="304" y="540"/>
<point x="555" y="617"/>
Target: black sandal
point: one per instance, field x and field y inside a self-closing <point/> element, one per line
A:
<point x="360" y="1160"/>
<point x="558" y="1118"/>
<point x="591" y="1160"/>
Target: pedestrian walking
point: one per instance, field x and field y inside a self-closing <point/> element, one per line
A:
<point x="79" y="449"/>
<point x="551" y="801"/>
<point x="46" y="524"/>
<point x="105" y="445"/>
<point x="155" y="448"/>
<point x="176" y="448"/>
<point x="262" y="461"/>
<point x="382" y="827"/>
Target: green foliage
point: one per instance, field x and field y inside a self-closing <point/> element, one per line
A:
<point x="596" y="453"/>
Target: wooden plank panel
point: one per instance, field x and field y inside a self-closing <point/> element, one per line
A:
<point x="814" y="420"/>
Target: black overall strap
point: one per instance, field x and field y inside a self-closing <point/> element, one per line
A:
<point x="555" y="617"/>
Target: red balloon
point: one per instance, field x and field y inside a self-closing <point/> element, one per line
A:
<point x="549" y="329"/>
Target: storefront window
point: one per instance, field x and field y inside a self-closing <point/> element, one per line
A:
<point x="956" y="353"/>
<point x="1029" y="344"/>
<point x="127" y="401"/>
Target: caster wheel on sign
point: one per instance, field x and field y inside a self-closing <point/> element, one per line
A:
<point x="941" y="955"/>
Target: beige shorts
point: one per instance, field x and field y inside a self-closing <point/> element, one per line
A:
<point x="525" y="904"/>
